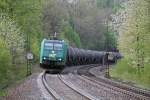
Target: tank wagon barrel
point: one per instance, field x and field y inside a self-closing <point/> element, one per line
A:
<point x="77" y="56"/>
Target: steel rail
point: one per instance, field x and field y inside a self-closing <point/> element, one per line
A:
<point x="50" y="90"/>
<point x="78" y="90"/>
<point x="123" y="88"/>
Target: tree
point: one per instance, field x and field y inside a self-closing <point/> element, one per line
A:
<point x="5" y="62"/>
<point x="132" y="24"/>
<point x="11" y="45"/>
<point x="10" y="33"/>
<point x="70" y="35"/>
<point x="56" y="18"/>
<point x="27" y="14"/>
<point x="54" y="13"/>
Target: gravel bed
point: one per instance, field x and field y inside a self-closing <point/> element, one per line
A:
<point x="36" y="68"/>
<point x="71" y="69"/>
<point x="95" y="89"/>
<point x="27" y="90"/>
<point x="97" y="71"/>
<point x="64" y="91"/>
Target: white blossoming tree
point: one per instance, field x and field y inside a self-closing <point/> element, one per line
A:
<point x="11" y="35"/>
<point x="132" y="23"/>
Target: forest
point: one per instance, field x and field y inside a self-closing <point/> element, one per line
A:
<point x="90" y="24"/>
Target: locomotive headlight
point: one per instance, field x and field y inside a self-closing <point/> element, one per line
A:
<point x="44" y="58"/>
<point x="59" y="59"/>
<point x="53" y="51"/>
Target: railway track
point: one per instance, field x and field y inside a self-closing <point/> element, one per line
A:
<point x="110" y="87"/>
<point x="129" y="91"/>
<point x="49" y="90"/>
<point x="76" y="89"/>
<point x="56" y="95"/>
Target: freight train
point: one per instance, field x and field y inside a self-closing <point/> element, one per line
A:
<point x="56" y="54"/>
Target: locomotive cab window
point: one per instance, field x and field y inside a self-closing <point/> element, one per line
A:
<point x="58" y="46"/>
<point x="48" y="46"/>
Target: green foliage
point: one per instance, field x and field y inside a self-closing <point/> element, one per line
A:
<point x="123" y="67"/>
<point x="70" y="35"/>
<point x="5" y="62"/>
<point x="111" y="40"/>
<point x="134" y="39"/>
<point x="3" y="93"/>
<point x="11" y="45"/>
<point x="135" y="28"/>
<point x="88" y="19"/>
<point x="129" y="73"/>
<point x="54" y="13"/>
<point x="27" y="15"/>
<point x="84" y="22"/>
<point x="10" y="33"/>
<point x="4" y="5"/>
<point x="117" y="8"/>
<point x="56" y="19"/>
<point x="35" y="48"/>
<point x="105" y="3"/>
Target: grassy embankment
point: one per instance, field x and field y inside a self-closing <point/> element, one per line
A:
<point x="129" y="74"/>
<point x="17" y="74"/>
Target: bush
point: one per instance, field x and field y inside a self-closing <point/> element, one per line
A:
<point x="5" y="62"/>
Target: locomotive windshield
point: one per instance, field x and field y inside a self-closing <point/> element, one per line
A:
<point x="49" y="46"/>
<point x="57" y="46"/>
<point x="53" y="46"/>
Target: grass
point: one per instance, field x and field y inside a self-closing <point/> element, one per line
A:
<point x="14" y="76"/>
<point x="3" y="93"/>
<point x="123" y="71"/>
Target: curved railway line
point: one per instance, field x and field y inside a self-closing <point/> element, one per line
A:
<point x="56" y="96"/>
<point x="83" y="73"/>
<point x="130" y="91"/>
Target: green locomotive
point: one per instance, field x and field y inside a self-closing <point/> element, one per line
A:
<point x="53" y="53"/>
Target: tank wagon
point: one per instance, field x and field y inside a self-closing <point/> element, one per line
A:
<point x="56" y="54"/>
<point x="77" y="56"/>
